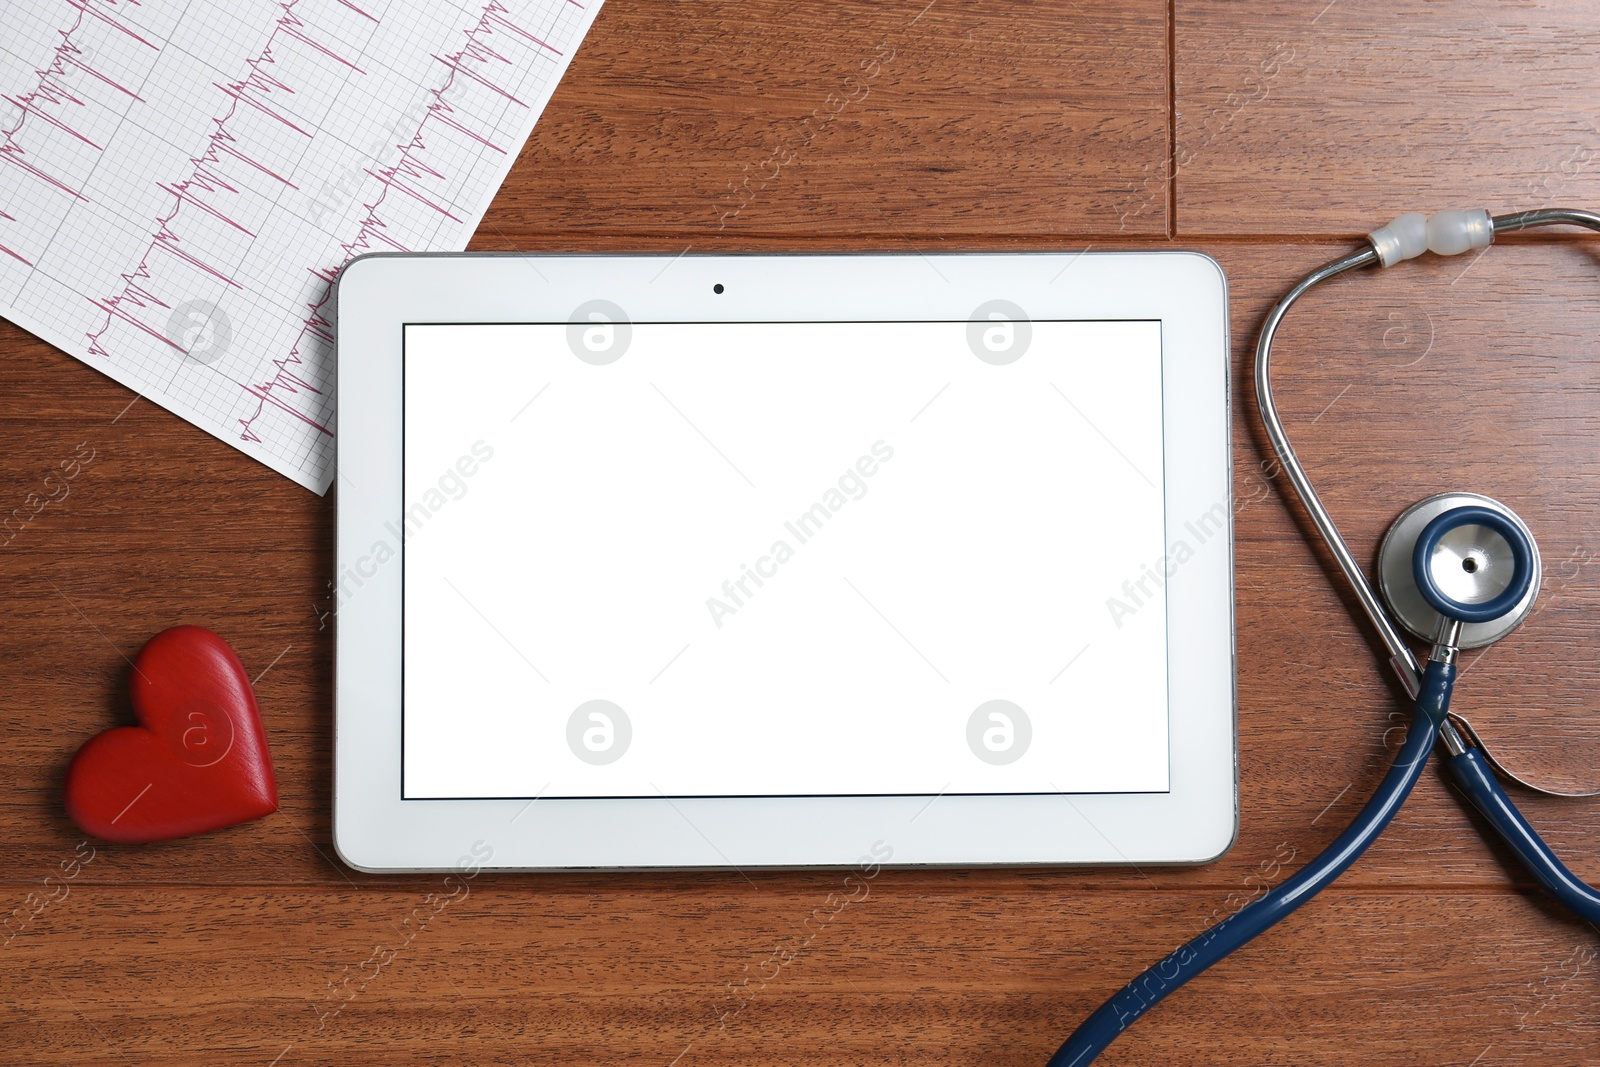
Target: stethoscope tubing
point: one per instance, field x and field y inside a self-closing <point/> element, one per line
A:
<point x="1472" y="773"/>
<point x="1151" y="987"/>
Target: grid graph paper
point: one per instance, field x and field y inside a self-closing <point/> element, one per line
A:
<point x="180" y="181"/>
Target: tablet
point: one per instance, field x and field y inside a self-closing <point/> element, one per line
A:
<point x="738" y="561"/>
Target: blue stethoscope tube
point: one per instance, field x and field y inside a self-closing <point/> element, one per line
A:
<point x="1466" y="765"/>
<point x="1147" y="990"/>
<point x="1471" y="772"/>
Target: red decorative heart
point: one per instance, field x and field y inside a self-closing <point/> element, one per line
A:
<point x="198" y="759"/>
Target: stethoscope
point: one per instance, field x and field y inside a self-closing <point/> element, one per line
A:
<point x="1457" y="570"/>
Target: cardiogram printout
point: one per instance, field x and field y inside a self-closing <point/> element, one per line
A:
<point x="180" y="181"/>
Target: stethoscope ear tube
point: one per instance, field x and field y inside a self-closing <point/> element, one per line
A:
<point x="1472" y="773"/>
<point x="1401" y="658"/>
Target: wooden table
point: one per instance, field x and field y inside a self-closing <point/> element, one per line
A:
<point x="1269" y="136"/>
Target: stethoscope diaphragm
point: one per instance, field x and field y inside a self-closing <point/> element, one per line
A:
<point x="1470" y="563"/>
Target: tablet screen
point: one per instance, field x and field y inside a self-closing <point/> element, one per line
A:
<point x="784" y="559"/>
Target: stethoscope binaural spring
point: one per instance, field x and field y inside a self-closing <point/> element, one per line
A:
<point x="1457" y="570"/>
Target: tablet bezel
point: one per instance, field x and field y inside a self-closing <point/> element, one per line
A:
<point x="375" y="830"/>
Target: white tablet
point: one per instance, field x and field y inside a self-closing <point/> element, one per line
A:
<point x="703" y="561"/>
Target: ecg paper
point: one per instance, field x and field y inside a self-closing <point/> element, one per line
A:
<point x="180" y="181"/>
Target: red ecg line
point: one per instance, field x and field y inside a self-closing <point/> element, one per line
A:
<point x="206" y="199"/>
<point x="373" y="231"/>
<point x="50" y="91"/>
<point x="200" y="193"/>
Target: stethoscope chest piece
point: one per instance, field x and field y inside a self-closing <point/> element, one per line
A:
<point x="1463" y="552"/>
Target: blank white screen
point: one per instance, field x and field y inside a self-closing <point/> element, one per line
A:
<point x="578" y="532"/>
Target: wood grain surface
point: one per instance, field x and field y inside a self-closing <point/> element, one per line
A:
<point x="1269" y="136"/>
